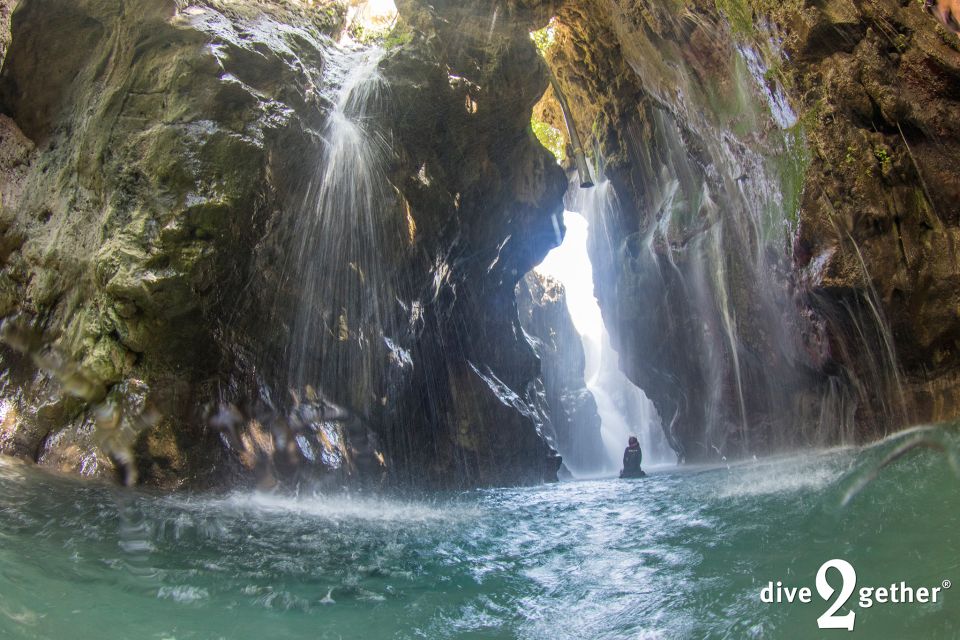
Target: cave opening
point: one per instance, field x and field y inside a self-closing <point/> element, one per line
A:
<point x="619" y="408"/>
<point x="624" y="409"/>
<point x="368" y="20"/>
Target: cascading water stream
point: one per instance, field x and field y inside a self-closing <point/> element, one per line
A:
<point x="695" y="275"/>
<point x="623" y="408"/>
<point x="624" y="411"/>
<point x="700" y="258"/>
<point x="340" y="233"/>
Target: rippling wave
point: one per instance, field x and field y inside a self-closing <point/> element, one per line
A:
<point x="680" y="554"/>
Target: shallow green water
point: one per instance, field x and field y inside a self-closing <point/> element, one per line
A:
<point x="681" y="554"/>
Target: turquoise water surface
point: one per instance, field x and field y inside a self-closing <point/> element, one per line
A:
<point x="681" y="554"/>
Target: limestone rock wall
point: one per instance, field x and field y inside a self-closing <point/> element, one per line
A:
<point x="143" y="138"/>
<point x="571" y="407"/>
<point x="779" y="270"/>
<point x="879" y="84"/>
<point x="482" y="195"/>
<point x="154" y="161"/>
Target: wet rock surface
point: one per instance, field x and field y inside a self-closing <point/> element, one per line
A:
<point x="881" y="203"/>
<point x="152" y="180"/>
<point x="572" y="409"/>
<point x="781" y="271"/>
<point x="141" y="147"/>
<point x="482" y="195"/>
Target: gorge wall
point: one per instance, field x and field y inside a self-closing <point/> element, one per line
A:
<point x="775" y="261"/>
<point x="157" y="161"/>
<point x="780" y="269"/>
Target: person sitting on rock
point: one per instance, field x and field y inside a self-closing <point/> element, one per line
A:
<point x="632" y="457"/>
<point x="947" y="12"/>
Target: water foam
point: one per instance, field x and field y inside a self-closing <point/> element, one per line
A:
<point x="784" y="475"/>
<point x="338" y="508"/>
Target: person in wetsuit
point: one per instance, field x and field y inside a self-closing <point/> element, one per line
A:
<point x="632" y="457"/>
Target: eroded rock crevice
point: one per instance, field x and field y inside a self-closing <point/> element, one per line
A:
<point x="573" y="423"/>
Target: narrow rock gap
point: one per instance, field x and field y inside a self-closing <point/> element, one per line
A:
<point x="624" y="409"/>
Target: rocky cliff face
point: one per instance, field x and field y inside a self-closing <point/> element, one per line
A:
<point x="574" y="421"/>
<point x="156" y="158"/>
<point x="483" y="207"/>
<point x="779" y="267"/>
<point x="774" y="247"/>
<point x="142" y="144"/>
<point x="879" y="84"/>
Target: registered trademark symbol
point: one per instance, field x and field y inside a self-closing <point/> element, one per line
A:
<point x="947" y="584"/>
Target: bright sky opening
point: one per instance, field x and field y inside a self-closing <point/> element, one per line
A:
<point x="570" y="264"/>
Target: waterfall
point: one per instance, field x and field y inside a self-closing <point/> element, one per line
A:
<point x="700" y="253"/>
<point x="341" y="234"/>
<point x="623" y="408"/>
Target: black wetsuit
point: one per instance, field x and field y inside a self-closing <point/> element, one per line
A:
<point x="632" y="457"/>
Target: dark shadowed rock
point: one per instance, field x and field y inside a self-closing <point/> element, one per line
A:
<point x="154" y="161"/>
<point x="572" y="408"/>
